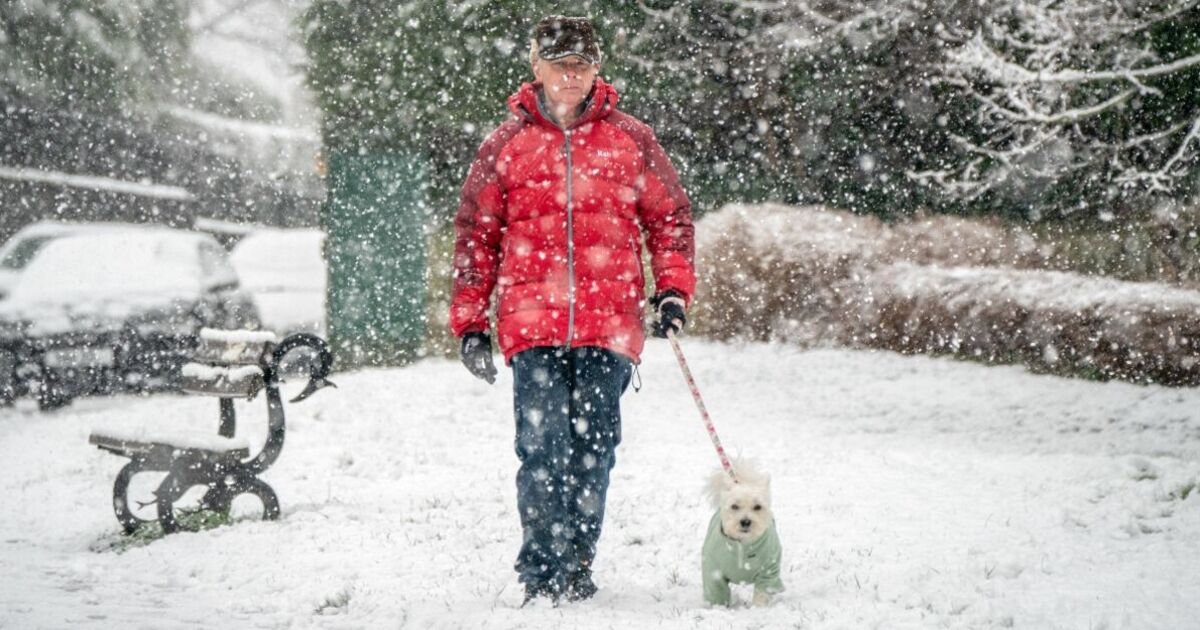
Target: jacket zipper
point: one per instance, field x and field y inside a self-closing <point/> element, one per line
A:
<point x="570" y="244"/>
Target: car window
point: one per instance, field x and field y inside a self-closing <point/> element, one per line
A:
<point x="23" y="252"/>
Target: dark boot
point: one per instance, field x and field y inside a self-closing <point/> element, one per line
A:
<point x="535" y="591"/>
<point x="580" y="586"/>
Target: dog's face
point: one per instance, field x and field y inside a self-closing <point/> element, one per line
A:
<point x="745" y="508"/>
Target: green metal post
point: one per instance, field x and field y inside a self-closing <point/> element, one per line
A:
<point x="375" y="245"/>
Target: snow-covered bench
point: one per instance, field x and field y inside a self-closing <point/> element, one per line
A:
<point x="227" y="365"/>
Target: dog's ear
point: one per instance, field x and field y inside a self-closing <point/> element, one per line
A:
<point x="718" y="483"/>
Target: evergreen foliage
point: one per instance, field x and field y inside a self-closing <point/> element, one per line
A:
<point x="90" y="54"/>
<point x="93" y="87"/>
<point x="866" y="105"/>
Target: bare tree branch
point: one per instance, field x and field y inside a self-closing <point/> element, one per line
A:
<point x="1040" y="72"/>
<point x="1028" y="114"/>
<point x="228" y="12"/>
<point x="978" y="56"/>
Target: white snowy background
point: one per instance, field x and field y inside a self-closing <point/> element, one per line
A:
<point x="910" y="493"/>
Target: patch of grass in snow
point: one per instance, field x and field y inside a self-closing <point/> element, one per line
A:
<point x="1082" y="372"/>
<point x="334" y="605"/>
<point x="189" y="520"/>
<point x="1182" y="492"/>
<point x="675" y="579"/>
<point x="197" y="520"/>
<point x="1143" y="475"/>
<point x="1142" y="470"/>
<point x="1088" y="373"/>
<point x="120" y="543"/>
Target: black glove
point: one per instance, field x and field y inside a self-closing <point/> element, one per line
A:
<point x="476" y="354"/>
<point x="669" y="306"/>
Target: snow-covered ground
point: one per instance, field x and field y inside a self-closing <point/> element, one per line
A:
<point x="910" y="493"/>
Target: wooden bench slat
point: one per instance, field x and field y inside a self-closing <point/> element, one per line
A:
<point x="219" y="380"/>
<point x="142" y="442"/>
<point x="233" y="347"/>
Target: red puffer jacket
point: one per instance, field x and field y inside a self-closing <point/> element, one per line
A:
<point x="553" y="221"/>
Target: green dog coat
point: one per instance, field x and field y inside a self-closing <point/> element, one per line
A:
<point x="724" y="560"/>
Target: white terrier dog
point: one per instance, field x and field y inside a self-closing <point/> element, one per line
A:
<point x="742" y="545"/>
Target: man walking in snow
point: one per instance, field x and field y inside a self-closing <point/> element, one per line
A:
<point x="551" y="217"/>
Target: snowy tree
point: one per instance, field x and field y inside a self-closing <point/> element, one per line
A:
<point x="1018" y="107"/>
<point x="90" y="53"/>
<point x="1072" y="105"/>
<point x="802" y="101"/>
<point x="126" y="90"/>
<point x="753" y="100"/>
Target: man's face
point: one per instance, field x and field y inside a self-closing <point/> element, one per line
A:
<point x="566" y="81"/>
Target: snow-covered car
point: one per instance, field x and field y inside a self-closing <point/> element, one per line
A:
<point x="114" y="310"/>
<point x="20" y="249"/>
<point x="284" y="271"/>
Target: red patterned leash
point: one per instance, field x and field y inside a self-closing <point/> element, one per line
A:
<point x="708" y="423"/>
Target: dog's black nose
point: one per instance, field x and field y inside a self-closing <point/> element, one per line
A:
<point x="745" y="523"/>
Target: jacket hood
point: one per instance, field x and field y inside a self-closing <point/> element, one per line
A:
<point x="600" y="102"/>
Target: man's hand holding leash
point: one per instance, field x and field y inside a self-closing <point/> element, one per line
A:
<point x="669" y="306"/>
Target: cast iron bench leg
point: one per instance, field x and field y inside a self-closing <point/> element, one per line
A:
<point x="129" y="520"/>
<point x="258" y="488"/>
<point x="223" y="485"/>
<point x="181" y="477"/>
<point x="221" y="494"/>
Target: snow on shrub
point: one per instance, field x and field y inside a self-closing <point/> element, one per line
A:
<point x="788" y="273"/>
<point x="956" y="241"/>
<point x="810" y="275"/>
<point x="775" y="272"/>
<point x="1053" y="321"/>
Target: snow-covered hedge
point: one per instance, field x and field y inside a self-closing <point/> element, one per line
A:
<point x="1049" y="320"/>
<point x="790" y="273"/>
<point x="775" y="272"/>
<point x="810" y="275"/>
<point x="947" y="240"/>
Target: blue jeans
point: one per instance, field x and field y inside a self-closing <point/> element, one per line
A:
<point x="567" y="405"/>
